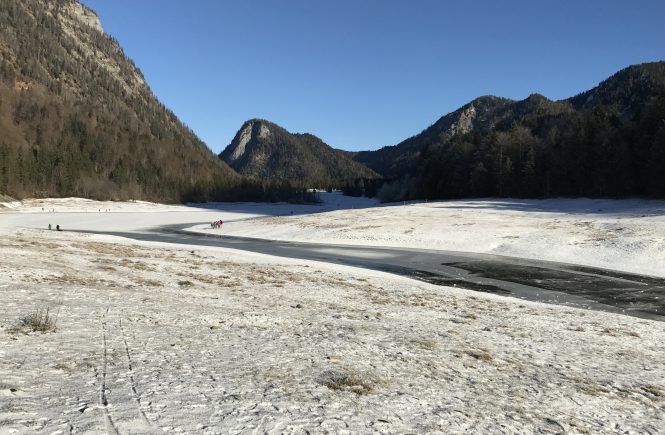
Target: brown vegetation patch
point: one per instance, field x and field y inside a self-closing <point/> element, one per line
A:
<point x="149" y="282"/>
<point x="610" y="331"/>
<point x="47" y="245"/>
<point x="341" y="381"/>
<point x="426" y="343"/>
<point x="594" y="389"/>
<point x="208" y="279"/>
<point x="479" y="354"/>
<point x="76" y="280"/>
<point x="109" y="249"/>
<point x="137" y="265"/>
<point x="40" y="320"/>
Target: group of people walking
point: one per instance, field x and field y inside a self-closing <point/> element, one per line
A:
<point x="216" y="225"/>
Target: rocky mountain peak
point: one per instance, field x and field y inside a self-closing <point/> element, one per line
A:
<point x="83" y="26"/>
<point x="72" y="14"/>
<point x="251" y="130"/>
<point x="464" y="122"/>
<point x="83" y="15"/>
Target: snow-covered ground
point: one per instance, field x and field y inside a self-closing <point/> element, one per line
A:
<point x="154" y="338"/>
<point x="84" y="214"/>
<point x="626" y="235"/>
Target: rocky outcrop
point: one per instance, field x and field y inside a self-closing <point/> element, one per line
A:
<point x="74" y="13"/>
<point x="252" y="131"/>
<point x="77" y="20"/>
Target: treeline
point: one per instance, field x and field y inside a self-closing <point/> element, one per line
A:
<point x="368" y="187"/>
<point x="258" y="191"/>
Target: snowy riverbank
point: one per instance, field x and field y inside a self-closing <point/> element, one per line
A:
<point x="626" y="235"/>
<point x="152" y="338"/>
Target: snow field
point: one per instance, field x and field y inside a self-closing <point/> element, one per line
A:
<point x="625" y="235"/>
<point x="152" y="338"/>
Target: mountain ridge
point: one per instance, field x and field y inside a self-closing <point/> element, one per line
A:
<point x="604" y="141"/>
<point x="395" y="160"/>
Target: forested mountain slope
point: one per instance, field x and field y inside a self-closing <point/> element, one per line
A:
<point x="77" y="117"/>
<point x="608" y="141"/>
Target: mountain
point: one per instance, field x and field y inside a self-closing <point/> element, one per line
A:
<point x="395" y="160"/>
<point x="77" y="117"/>
<point x="608" y="141"/>
<point x="480" y="114"/>
<point x="629" y="89"/>
<point x="266" y="151"/>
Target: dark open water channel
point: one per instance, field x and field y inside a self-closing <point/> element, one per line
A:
<point x="550" y="282"/>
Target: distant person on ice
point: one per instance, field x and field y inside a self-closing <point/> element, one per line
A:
<point x="57" y="228"/>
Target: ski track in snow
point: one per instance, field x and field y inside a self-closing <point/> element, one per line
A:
<point x="103" y="400"/>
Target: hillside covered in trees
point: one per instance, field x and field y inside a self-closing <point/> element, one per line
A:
<point x="606" y="142"/>
<point x="78" y="119"/>
<point x="265" y="151"/>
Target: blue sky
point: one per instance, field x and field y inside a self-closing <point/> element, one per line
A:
<point x="362" y="74"/>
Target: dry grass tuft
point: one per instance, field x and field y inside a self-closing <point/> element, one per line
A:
<point x="39" y="321"/>
<point x="47" y="245"/>
<point x="149" y="282"/>
<point x="208" y="279"/>
<point x="609" y="331"/>
<point x="62" y="366"/>
<point x="340" y="381"/>
<point x="137" y="265"/>
<point x="426" y="343"/>
<point x="594" y="389"/>
<point x="480" y="355"/>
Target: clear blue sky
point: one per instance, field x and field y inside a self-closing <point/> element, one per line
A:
<point x="362" y="74"/>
